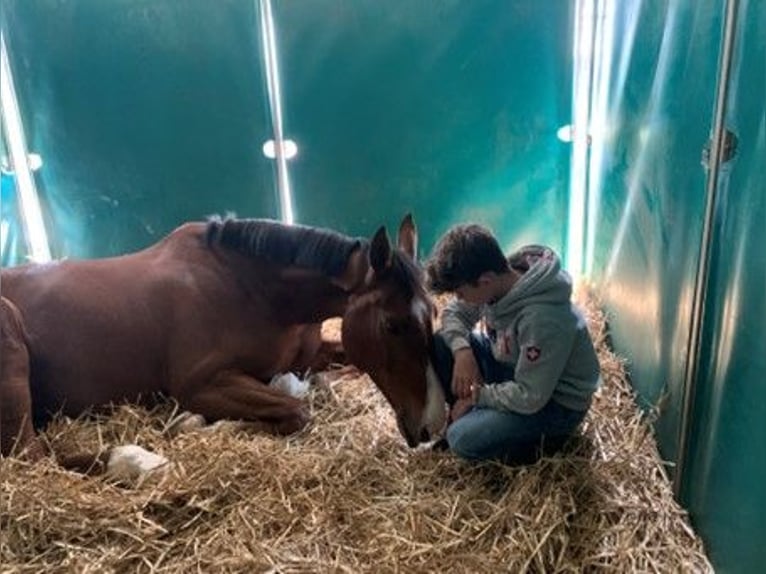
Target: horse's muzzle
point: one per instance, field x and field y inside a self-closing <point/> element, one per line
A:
<point x="412" y="436"/>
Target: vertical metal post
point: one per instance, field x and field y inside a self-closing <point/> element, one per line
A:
<point x="275" y="106"/>
<point x="581" y="103"/>
<point x="691" y="370"/>
<point x="29" y="203"/>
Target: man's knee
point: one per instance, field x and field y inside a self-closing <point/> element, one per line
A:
<point x="465" y="442"/>
<point x="461" y="444"/>
<point x="481" y="440"/>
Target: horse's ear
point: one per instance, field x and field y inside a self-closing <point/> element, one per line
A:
<point x="408" y="237"/>
<point x="380" y="250"/>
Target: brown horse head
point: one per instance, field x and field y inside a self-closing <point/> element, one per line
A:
<point x="387" y="332"/>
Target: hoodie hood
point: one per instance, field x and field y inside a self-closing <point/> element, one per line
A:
<point x="542" y="280"/>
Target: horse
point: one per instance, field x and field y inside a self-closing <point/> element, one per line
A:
<point x="208" y="316"/>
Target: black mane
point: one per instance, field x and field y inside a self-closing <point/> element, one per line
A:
<point x="323" y="250"/>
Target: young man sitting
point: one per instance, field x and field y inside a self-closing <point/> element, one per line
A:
<point x="526" y="378"/>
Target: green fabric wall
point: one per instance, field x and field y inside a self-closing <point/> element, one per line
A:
<point x="152" y="112"/>
<point x="447" y="109"/>
<point x="652" y="193"/>
<point x="147" y="113"/>
<point x="725" y="479"/>
<point x="649" y="231"/>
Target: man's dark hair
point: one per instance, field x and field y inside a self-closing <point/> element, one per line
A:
<point x="461" y="256"/>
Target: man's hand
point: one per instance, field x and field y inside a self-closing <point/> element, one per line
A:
<point x="465" y="374"/>
<point x="461" y="407"/>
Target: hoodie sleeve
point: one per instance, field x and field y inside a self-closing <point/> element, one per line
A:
<point x="545" y="344"/>
<point x="458" y="320"/>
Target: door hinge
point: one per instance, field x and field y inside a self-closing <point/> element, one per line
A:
<point x="730" y="143"/>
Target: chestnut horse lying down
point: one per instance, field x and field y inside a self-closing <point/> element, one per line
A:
<point x="207" y="316"/>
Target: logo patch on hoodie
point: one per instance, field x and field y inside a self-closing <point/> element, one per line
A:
<point x="533" y="353"/>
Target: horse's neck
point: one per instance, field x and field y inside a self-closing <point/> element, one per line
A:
<point x="355" y="273"/>
<point x="318" y="297"/>
<point x="306" y="297"/>
<point x="296" y="295"/>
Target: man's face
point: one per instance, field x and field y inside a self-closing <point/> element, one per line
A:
<point x="477" y="293"/>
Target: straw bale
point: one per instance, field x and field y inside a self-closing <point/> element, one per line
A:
<point x="347" y="495"/>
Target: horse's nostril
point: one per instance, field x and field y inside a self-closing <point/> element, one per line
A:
<point x="409" y="435"/>
<point x="411" y="439"/>
<point x="425" y="436"/>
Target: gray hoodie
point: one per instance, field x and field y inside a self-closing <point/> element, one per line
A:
<point x="537" y="328"/>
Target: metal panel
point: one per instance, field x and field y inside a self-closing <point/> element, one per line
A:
<point x="652" y="191"/>
<point x="448" y="109"/>
<point x="147" y="113"/>
<point x="724" y="480"/>
<point x="648" y="236"/>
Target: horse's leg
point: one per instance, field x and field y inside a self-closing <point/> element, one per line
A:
<point x="187" y="421"/>
<point x="184" y="422"/>
<point x="17" y="434"/>
<point x="125" y="462"/>
<point x="233" y="395"/>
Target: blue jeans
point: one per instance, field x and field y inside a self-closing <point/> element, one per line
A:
<point x="491" y="434"/>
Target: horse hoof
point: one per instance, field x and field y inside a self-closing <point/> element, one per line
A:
<point x="289" y="384"/>
<point x="184" y="422"/>
<point x="33" y="451"/>
<point x="130" y="462"/>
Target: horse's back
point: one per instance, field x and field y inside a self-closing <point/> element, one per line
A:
<point x="101" y="283"/>
<point x="97" y="328"/>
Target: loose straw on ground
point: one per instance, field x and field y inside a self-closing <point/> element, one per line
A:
<point x="347" y="495"/>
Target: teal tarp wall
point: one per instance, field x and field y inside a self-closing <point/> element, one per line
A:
<point x="148" y="113"/>
<point x="652" y="204"/>
<point x="725" y="479"/>
<point x="653" y="190"/>
<point x="446" y="109"/>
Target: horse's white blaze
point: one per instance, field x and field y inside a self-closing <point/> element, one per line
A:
<point x="130" y="461"/>
<point x="421" y="310"/>
<point x="435" y="413"/>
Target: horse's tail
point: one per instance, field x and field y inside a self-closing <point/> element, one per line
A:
<point x="16" y="429"/>
<point x="14" y="333"/>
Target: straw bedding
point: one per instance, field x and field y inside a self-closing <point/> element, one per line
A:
<point x="347" y="495"/>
